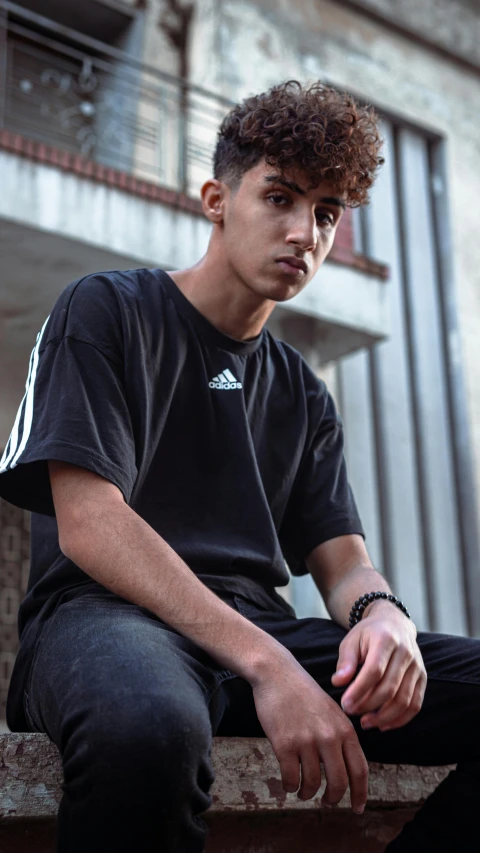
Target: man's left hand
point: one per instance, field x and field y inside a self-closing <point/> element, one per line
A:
<point x="389" y="688"/>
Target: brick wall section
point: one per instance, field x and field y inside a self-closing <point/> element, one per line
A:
<point x="14" y="569"/>
<point x="342" y="251"/>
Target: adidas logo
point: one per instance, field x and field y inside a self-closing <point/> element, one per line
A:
<point x="225" y="381"/>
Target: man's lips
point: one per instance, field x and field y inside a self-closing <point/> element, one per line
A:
<point x="294" y="263"/>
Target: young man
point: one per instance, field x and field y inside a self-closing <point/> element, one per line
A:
<point x="173" y="455"/>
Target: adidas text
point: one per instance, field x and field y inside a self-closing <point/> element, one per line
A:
<point x="225" y="381"/>
<point x="226" y="386"/>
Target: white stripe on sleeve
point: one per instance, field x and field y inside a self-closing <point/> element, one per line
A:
<point x="28" y="415"/>
<point x="13" y="440"/>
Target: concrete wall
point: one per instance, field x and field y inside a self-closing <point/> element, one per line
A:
<point x="451" y="25"/>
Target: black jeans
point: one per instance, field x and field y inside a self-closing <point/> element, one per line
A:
<point x="132" y="707"/>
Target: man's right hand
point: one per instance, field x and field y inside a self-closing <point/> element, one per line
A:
<point x="305" y="727"/>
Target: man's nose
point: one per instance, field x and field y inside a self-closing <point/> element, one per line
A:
<point x="303" y="233"/>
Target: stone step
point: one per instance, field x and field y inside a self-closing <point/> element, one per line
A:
<point x="250" y="810"/>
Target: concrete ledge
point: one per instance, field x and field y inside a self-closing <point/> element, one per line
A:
<point x="247" y="780"/>
<point x="250" y="814"/>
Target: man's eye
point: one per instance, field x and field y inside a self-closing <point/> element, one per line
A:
<point x="324" y="218"/>
<point x="277" y="199"/>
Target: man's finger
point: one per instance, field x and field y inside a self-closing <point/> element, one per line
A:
<point x="357" y="769"/>
<point x="369" y="676"/>
<point x="290" y="770"/>
<point x="348" y="661"/>
<point x="414" y="708"/>
<point x="336" y="774"/>
<point x="311" y="773"/>
<point x="403" y="707"/>
<point x="386" y="690"/>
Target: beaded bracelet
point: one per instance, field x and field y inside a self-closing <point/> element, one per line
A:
<point x="361" y="603"/>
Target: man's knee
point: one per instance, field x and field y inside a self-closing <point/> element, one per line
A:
<point x="155" y="739"/>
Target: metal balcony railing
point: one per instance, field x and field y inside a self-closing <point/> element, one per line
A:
<point x="65" y="89"/>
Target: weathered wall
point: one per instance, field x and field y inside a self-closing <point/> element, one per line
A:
<point x="452" y="25"/>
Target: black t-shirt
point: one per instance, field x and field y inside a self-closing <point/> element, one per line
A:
<point x="231" y="450"/>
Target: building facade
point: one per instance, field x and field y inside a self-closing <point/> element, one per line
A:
<point x="108" y="117"/>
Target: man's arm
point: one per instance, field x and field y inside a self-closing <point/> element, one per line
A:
<point x="111" y="543"/>
<point x="389" y="689"/>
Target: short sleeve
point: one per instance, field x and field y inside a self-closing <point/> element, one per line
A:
<point x="74" y="410"/>
<point x="321" y="505"/>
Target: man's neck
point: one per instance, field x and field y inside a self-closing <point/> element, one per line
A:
<point x="223" y="300"/>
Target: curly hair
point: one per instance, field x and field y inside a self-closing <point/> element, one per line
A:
<point x="317" y="130"/>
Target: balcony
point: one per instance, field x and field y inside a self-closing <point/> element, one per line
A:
<point x="101" y="161"/>
<point x="71" y="91"/>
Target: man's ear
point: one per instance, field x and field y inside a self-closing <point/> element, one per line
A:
<point x="213" y="195"/>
